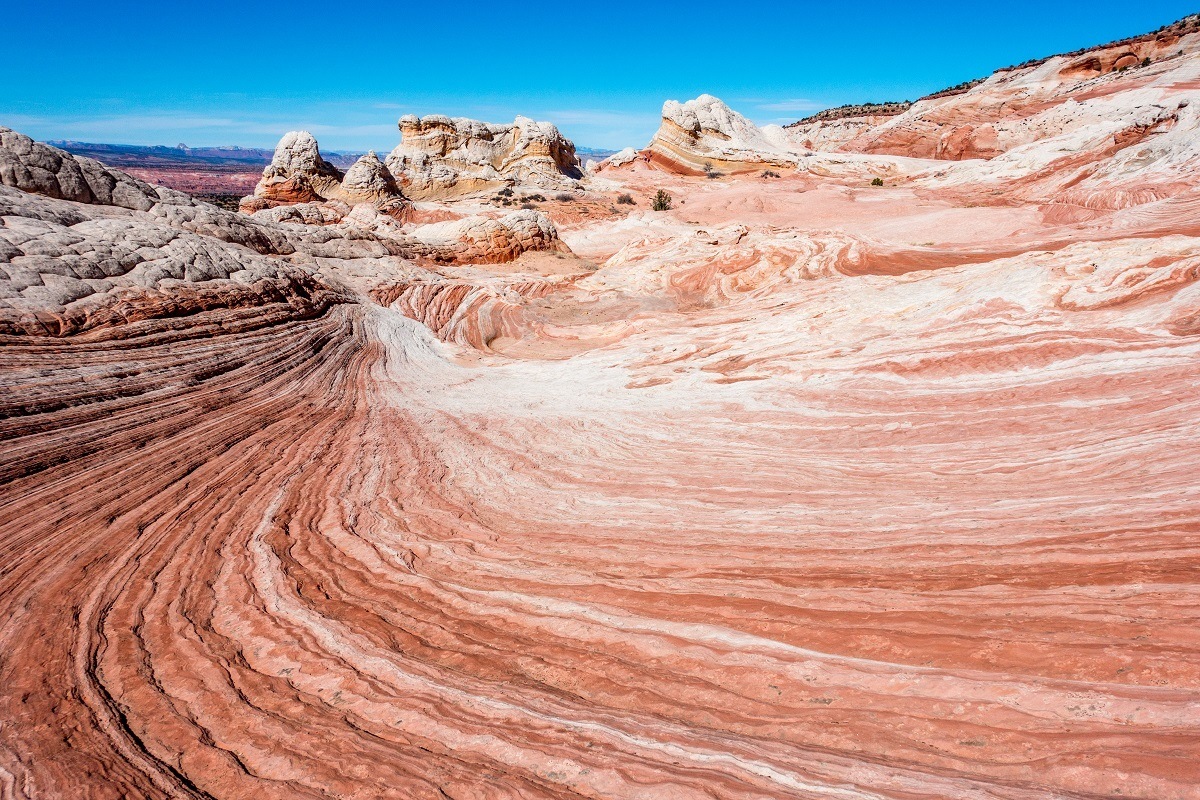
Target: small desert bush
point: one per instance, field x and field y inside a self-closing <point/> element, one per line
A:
<point x="563" y="197"/>
<point x="770" y="173"/>
<point x="505" y="192"/>
<point x="661" y="202"/>
<point x="527" y="206"/>
<point x="229" y="202"/>
<point x="626" y="200"/>
<point x="534" y="198"/>
<point x="877" y="181"/>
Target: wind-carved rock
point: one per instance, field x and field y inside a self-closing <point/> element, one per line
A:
<point x="369" y="181"/>
<point x="705" y="135"/>
<point x="298" y="174"/>
<point x="84" y="247"/>
<point x="437" y="158"/>
<point x="443" y="157"/>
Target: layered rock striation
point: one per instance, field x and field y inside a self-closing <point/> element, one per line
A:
<point x="1020" y="105"/>
<point x="704" y="136"/>
<point x="445" y="157"/>
<point x="804" y="488"/>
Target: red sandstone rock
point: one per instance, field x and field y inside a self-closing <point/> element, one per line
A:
<point x="804" y="488"/>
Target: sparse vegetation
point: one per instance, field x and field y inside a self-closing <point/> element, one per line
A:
<point x="505" y="192"/>
<point x="533" y="198"/>
<point x="770" y="173"/>
<point x="626" y="200"/>
<point x="1146" y="61"/>
<point x="662" y="201"/>
<point x="877" y="181"/>
<point x="563" y="197"/>
<point x="229" y="202"/>
<point x="709" y="172"/>
<point x="527" y="206"/>
<point x="855" y="110"/>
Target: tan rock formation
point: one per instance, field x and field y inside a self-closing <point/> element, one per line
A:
<point x="705" y="135"/>
<point x="298" y="174"/>
<point x="443" y="157"/>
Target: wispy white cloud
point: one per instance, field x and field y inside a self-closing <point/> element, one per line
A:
<point x="125" y="123"/>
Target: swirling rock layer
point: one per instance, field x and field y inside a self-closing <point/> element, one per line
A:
<point x="806" y="488"/>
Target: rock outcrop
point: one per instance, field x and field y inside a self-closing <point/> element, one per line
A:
<point x="437" y="158"/>
<point x="705" y="135"/>
<point x="441" y="157"/>
<point x="84" y="247"/>
<point x="298" y="174"/>
<point x="39" y="168"/>
<point x="1039" y="100"/>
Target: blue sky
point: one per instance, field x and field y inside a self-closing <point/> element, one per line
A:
<point x="243" y="73"/>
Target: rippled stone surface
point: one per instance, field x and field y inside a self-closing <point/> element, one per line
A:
<point x="802" y="489"/>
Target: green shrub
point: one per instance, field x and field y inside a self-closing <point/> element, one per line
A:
<point x="877" y="181"/>
<point x="661" y="202"/>
<point x="505" y="192"/>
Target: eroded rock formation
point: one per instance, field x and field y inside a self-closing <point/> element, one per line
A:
<point x="1040" y="100"/>
<point x="437" y="158"/>
<point x="705" y="135"/>
<point x="443" y="157"/>
<point x="84" y="247"/>
<point x="298" y="174"/>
